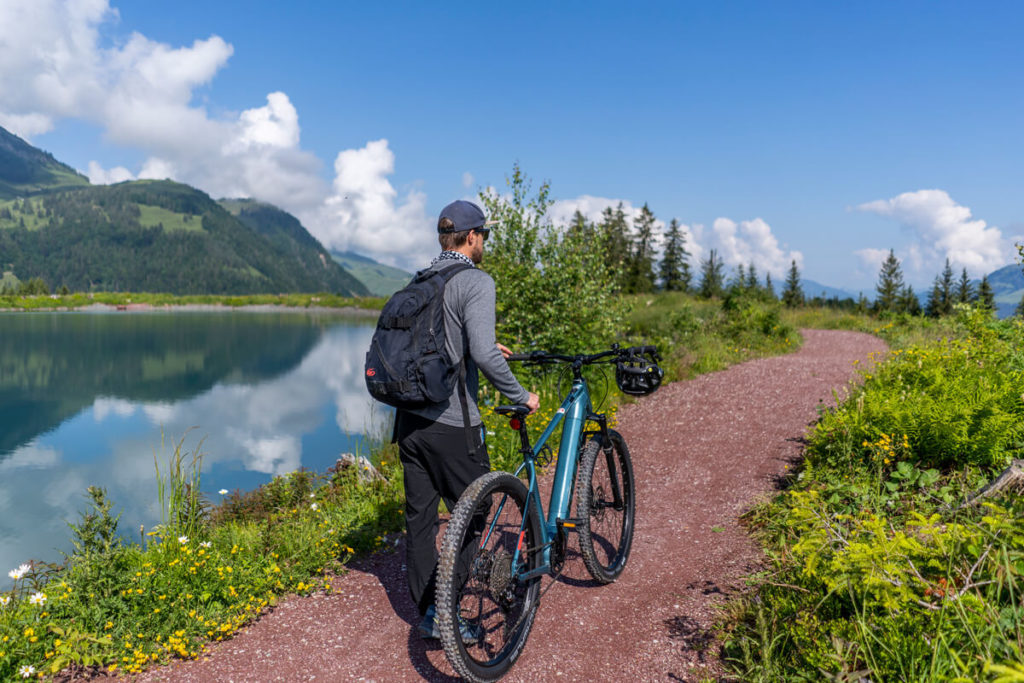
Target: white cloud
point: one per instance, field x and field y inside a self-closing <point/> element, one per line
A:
<point x="942" y="229"/>
<point x="103" y="176"/>
<point x="743" y="243"/>
<point x="467" y="180"/>
<point x="364" y="212"/>
<point x="871" y="259"/>
<point x="142" y="93"/>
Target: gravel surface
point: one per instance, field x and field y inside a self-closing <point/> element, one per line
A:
<point x="703" y="450"/>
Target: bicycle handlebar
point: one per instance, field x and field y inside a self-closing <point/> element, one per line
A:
<point x="627" y="353"/>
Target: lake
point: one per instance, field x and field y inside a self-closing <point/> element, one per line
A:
<point x="86" y="399"/>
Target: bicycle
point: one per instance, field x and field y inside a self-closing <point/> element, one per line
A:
<point x="499" y="541"/>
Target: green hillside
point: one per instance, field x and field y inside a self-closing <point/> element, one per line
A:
<point x="290" y="239"/>
<point x="149" y="236"/>
<point x="381" y="280"/>
<point x="153" y="236"/>
<point x="26" y="170"/>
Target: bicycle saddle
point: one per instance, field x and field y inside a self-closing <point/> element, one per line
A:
<point x="518" y="409"/>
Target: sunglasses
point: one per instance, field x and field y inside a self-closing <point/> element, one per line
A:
<point x="484" y="232"/>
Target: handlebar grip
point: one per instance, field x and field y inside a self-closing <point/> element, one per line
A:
<point x="518" y="356"/>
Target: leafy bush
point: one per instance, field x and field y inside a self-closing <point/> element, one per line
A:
<point x="556" y="289"/>
<point x="875" y="570"/>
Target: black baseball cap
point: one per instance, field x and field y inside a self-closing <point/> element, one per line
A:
<point x="465" y="216"/>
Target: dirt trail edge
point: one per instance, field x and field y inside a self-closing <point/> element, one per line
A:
<point x="704" y="450"/>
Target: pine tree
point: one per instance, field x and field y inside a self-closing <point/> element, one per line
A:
<point x="752" y="283"/>
<point x="768" y="286"/>
<point x="792" y="294"/>
<point x="739" y="280"/>
<point x="641" y="261"/>
<point x="613" y="231"/>
<point x="675" y="266"/>
<point x="908" y="301"/>
<point x="890" y="284"/>
<point x="711" y="275"/>
<point x="964" y="289"/>
<point x="986" y="297"/>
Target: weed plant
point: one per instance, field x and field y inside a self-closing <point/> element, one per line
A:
<point x="198" y="577"/>
<point x="877" y="570"/>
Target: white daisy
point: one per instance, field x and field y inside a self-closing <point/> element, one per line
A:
<point x="19" y="572"/>
<point x="5" y="600"/>
<point x="205" y="544"/>
<point x="313" y="506"/>
<point x="223" y="492"/>
<point x="37" y="599"/>
<point x="183" y="539"/>
<point x="27" y="671"/>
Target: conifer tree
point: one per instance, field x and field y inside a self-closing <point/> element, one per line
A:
<point x="752" y="283"/>
<point x="964" y="289"/>
<point x="739" y="280"/>
<point x="908" y="301"/>
<point x="792" y="293"/>
<point x="711" y="275"/>
<point x="890" y="284"/>
<point x="674" y="272"/>
<point x="768" y="286"/>
<point x="986" y="297"/>
<point x="613" y="232"/>
<point x="641" y="262"/>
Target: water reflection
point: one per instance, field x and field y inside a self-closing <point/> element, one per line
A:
<point x="262" y="397"/>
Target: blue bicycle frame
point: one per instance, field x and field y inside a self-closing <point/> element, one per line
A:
<point x="574" y="411"/>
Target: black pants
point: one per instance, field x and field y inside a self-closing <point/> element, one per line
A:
<point x="436" y="466"/>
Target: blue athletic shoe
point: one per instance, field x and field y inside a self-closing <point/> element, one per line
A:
<point x="428" y="628"/>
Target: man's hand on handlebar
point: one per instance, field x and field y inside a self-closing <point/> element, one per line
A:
<point x="533" y="403"/>
<point x="505" y="351"/>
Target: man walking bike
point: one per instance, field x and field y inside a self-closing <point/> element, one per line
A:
<point x="441" y="445"/>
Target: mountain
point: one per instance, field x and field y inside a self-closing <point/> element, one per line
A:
<point x="292" y="240"/>
<point x="152" y="236"/>
<point x="381" y="280"/>
<point x="26" y="170"/>
<point x="815" y="289"/>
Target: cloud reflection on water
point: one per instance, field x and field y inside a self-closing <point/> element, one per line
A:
<point x="248" y="431"/>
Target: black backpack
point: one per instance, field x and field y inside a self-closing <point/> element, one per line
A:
<point x="407" y="365"/>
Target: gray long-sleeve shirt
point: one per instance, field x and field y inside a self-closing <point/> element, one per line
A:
<point x="469" y="301"/>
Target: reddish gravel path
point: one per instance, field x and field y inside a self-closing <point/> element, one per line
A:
<point x="703" y="451"/>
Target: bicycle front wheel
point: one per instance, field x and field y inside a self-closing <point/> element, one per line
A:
<point x="605" y="504"/>
<point x="484" y="611"/>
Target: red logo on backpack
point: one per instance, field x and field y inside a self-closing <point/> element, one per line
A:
<point x="370" y="372"/>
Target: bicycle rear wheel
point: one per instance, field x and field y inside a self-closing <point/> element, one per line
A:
<point x="606" y="505"/>
<point x="479" y="598"/>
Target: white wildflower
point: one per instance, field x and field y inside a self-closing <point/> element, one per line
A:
<point x="27" y="671"/>
<point x="205" y="544"/>
<point x="312" y="495"/>
<point x="19" y="572"/>
<point x="37" y="599"/>
<point x="223" y="492"/>
<point x="312" y="506"/>
<point x="5" y="600"/>
<point x="183" y="539"/>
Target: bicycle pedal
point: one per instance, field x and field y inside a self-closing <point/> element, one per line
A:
<point x="569" y="522"/>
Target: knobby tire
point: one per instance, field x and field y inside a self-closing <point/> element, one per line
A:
<point x="606" y="529"/>
<point x="481" y="590"/>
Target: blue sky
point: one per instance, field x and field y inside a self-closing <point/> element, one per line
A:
<point x="824" y="132"/>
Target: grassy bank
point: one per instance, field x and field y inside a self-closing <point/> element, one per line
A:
<point x="122" y="604"/>
<point x="877" y="569"/>
<point x="80" y="300"/>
